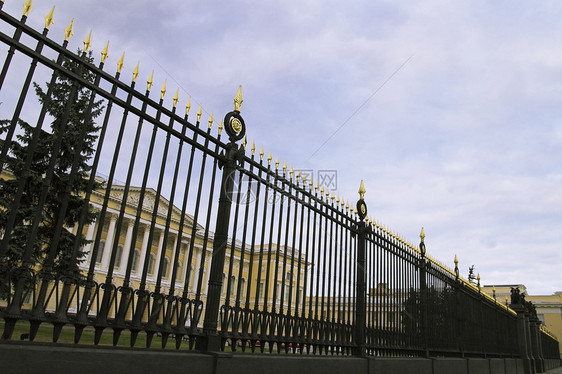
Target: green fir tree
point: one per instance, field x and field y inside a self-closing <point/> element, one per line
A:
<point x="78" y="135"/>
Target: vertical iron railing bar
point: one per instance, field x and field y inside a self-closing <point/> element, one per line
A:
<point x="316" y="295"/>
<point x="229" y="285"/>
<point x="244" y="312"/>
<point x="341" y="283"/>
<point x="269" y="247"/>
<point x="300" y="265"/>
<point x="206" y="227"/>
<point x="233" y="314"/>
<point x="277" y="282"/>
<point x="305" y="318"/>
<point x="285" y="315"/>
<point x="283" y="278"/>
<point x="347" y="304"/>
<point x="185" y="302"/>
<point x="328" y="234"/>
<point x="252" y="239"/>
<point x="293" y="311"/>
<point x="23" y="94"/>
<point x="17" y="35"/>
<point x="256" y="322"/>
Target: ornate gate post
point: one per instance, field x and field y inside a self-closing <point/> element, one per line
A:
<point x="360" y="303"/>
<point x="523" y="335"/>
<point x="423" y="265"/>
<point x="236" y="129"/>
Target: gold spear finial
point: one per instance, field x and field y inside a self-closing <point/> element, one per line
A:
<point x="87" y="41"/>
<point x="69" y="31"/>
<point x="347" y="206"/>
<point x="322" y="191"/>
<point x="333" y="197"/>
<point x="362" y="190"/>
<point x="150" y="81"/>
<point x="304" y="178"/>
<point x="315" y="186"/>
<point x="238" y="99"/>
<point x="422" y="235"/>
<point x="291" y="172"/>
<point x="261" y="153"/>
<point x="269" y="159"/>
<point x="253" y="147"/>
<point x="277" y="163"/>
<point x="199" y="113"/>
<point x="121" y="63"/>
<point x="188" y="106"/>
<point x="220" y="130"/>
<point x="244" y="142"/>
<point x="27" y="7"/>
<point x="310" y="184"/>
<point x="211" y="120"/>
<point x="104" y="52"/>
<point x="136" y="72"/>
<point x="176" y="97"/>
<point x="163" y="90"/>
<point x="456" y="261"/>
<point x="298" y="175"/>
<point x="49" y="19"/>
<point x="284" y="167"/>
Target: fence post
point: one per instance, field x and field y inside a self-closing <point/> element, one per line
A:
<point x="534" y="324"/>
<point x="523" y="336"/>
<point x="424" y="295"/>
<point x="235" y="128"/>
<point x="360" y="304"/>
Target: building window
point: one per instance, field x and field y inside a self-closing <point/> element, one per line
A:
<point x="260" y="290"/>
<point x="166" y="266"/>
<point x="242" y="287"/>
<point x="118" y="255"/>
<point x="151" y="264"/>
<point x="232" y="286"/>
<point x="100" y="248"/>
<point x="136" y="256"/>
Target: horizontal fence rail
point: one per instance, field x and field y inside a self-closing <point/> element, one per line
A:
<point x="125" y="222"/>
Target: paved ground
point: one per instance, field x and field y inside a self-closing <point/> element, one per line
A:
<point x="555" y="371"/>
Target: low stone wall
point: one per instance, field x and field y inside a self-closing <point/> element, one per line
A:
<point x="56" y="359"/>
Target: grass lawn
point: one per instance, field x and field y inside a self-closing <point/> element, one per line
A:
<point x="45" y="334"/>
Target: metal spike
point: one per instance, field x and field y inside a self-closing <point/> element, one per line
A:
<point x="136" y="72"/>
<point x="269" y="159"/>
<point x="243" y="143"/>
<point x="188" y="106"/>
<point x="284" y="167"/>
<point x="69" y="31"/>
<point x="298" y="175"/>
<point x="176" y="97"/>
<point x="150" y="81"/>
<point x="220" y="130"/>
<point x="321" y="190"/>
<point x="291" y="171"/>
<point x="27" y="7"/>
<point x="333" y="197"/>
<point x="211" y="120"/>
<point x="422" y="235"/>
<point x="49" y="18"/>
<point x="253" y="147"/>
<point x="238" y="99"/>
<point x="87" y="41"/>
<point x="347" y="206"/>
<point x="104" y="52"/>
<point x="261" y="153"/>
<point x="163" y="90"/>
<point x="310" y="184"/>
<point x="304" y="178"/>
<point x="199" y="113"/>
<point x="362" y="190"/>
<point x="277" y="163"/>
<point x="121" y="63"/>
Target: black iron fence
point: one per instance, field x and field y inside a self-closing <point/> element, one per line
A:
<point x="123" y="217"/>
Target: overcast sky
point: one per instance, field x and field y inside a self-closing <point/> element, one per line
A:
<point x="450" y="111"/>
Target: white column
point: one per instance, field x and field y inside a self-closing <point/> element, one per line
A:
<point x="108" y="243"/>
<point x="89" y="236"/>
<point x="157" y="264"/>
<point x="185" y="264"/>
<point x="172" y="264"/>
<point x="145" y="250"/>
<point x="126" y="248"/>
